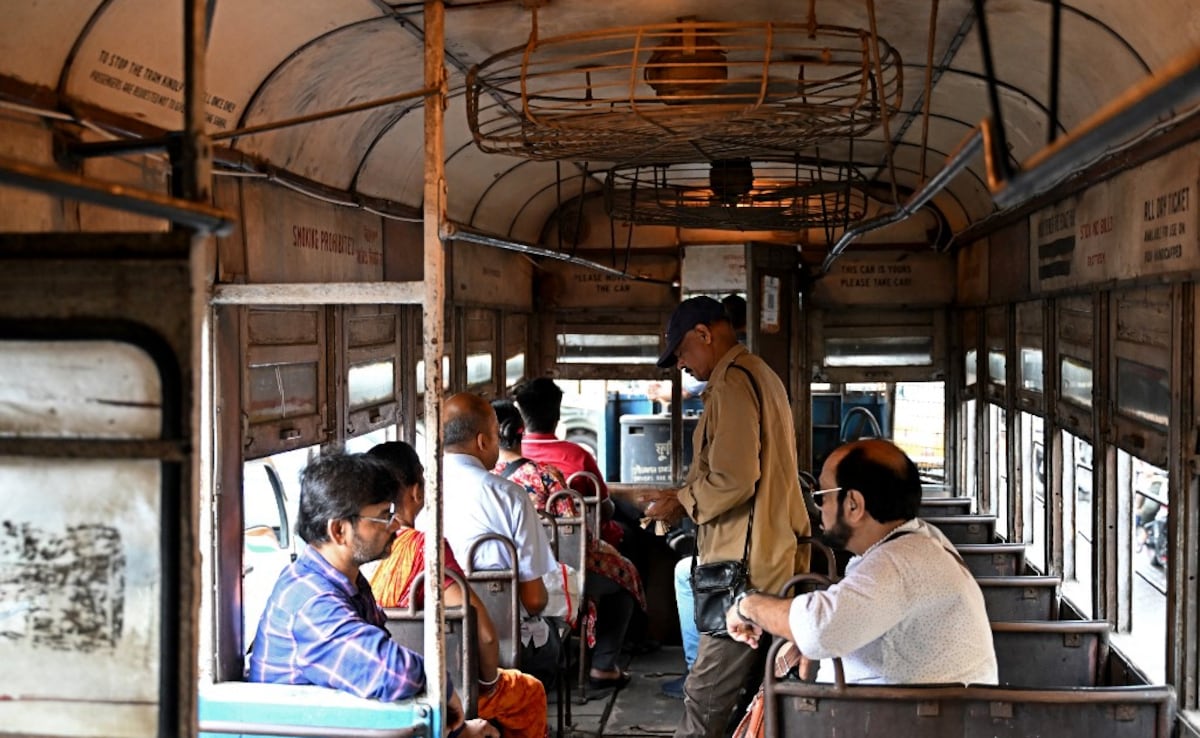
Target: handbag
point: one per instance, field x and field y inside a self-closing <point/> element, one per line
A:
<point x="716" y="584"/>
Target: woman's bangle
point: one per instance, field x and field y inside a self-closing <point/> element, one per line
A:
<point x="485" y="683"/>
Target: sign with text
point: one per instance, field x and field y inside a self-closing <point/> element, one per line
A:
<point x="293" y="238"/>
<point x="581" y="287"/>
<point x="1140" y="222"/>
<point x="716" y="268"/>
<point x="883" y="279"/>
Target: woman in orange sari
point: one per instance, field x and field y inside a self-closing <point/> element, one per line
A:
<point x="515" y="701"/>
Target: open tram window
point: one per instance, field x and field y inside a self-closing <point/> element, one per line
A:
<point x="919" y="426"/>
<point x="1078" y="560"/>
<point x="480" y="347"/>
<point x="1144" y="498"/>
<point x="608" y="348"/>
<point x="997" y="462"/>
<point x="285" y="386"/>
<point x="270" y="505"/>
<point x="372" y="339"/>
<point x="1033" y="480"/>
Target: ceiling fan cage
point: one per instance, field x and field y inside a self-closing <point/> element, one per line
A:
<point x="682" y="91"/>
<point x="738" y="194"/>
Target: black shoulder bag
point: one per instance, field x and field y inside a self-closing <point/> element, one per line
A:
<point x="714" y="585"/>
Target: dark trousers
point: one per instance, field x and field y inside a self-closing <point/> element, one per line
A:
<point x="614" y="608"/>
<point x="725" y="672"/>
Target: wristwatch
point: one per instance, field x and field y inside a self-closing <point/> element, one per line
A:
<point x="737" y="605"/>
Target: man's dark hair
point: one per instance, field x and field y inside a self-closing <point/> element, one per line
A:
<point x="540" y="401"/>
<point x="735" y="308"/>
<point x="888" y="495"/>
<point x="512" y="425"/>
<point x="402" y="459"/>
<point x="336" y="487"/>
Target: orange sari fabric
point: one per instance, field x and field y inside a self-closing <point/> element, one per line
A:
<point x="394" y="576"/>
<point x="517" y="705"/>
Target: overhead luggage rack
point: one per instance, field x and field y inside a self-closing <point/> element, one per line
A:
<point x="684" y="91"/>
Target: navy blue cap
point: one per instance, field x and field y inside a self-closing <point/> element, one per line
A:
<point x="688" y="315"/>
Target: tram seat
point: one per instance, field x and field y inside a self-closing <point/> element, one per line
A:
<point x="966" y="528"/>
<point x="942" y="711"/>
<point x="497" y="590"/>
<point x="1020" y="598"/>
<point x="941" y="506"/>
<point x="407" y="626"/>
<point x="588" y="487"/>
<point x="256" y="709"/>
<point x="1064" y="653"/>
<point x="570" y="536"/>
<point x="993" y="559"/>
<point x="931" y="490"/>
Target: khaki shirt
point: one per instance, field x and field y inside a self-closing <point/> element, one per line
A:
<point x="727" y="462"/>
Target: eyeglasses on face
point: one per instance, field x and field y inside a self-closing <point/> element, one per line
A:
<point x="817" y="494"/>
<point x="391" y="516"/>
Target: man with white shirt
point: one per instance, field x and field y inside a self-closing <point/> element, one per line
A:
<point x="908" y="611"/>
<point x="477" y="502"/>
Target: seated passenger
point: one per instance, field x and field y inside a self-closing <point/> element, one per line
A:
<point x="481" y="502"/>
<point x="321" y="624"/>
<point x="540" y="402"/>
<point x="611" y="579"/>
<point x="908" y="611"/>
<point x="514" y="701"/>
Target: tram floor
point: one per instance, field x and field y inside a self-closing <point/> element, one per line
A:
<point x="640" y="709"/>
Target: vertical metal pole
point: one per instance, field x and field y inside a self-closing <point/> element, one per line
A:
<point x="433" y="328"/>
<point x="194" y="165"/>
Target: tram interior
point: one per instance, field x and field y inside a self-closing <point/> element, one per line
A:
<point x="236" y="236"/>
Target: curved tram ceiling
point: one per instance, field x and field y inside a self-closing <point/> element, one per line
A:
<point x="276" y="59"/>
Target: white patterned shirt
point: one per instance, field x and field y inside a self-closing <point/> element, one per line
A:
<point x="907" y="612"/>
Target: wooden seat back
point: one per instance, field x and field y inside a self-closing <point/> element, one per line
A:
<point x="1063" y="653"/>
<point x="1020" y="598"/>
<point x="993" y="559"/>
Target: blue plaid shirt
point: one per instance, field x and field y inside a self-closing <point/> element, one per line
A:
<point x="319" y="628"/>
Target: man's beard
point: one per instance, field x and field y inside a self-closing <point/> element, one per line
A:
<point x="839" y="535"/>
<point x="364" y="555"/>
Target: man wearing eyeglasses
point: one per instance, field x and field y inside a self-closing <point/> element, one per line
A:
<point x="908" y="611"/>
<point x="322" y="625"/>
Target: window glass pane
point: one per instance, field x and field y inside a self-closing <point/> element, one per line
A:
<point x="970" y="483"/>
<point x="970" y="367"/>
<point x="918" y="426"/>
<point x="421" y="375"/>
<point x="604" y="348"/>
<point x="514" y="369"/>
<point x="1077" y="522"/>
<point x="1033" y="454"/>
<point x="1032" y="377"/>
<point x="997" y="367"/>
<point x="1076" y="381"/>
<point x="282" y="391"/>
<point x="479" y="368"/>
<point x="98" y="389"/>
<point x="1145" y="641"/>
<point x="998" y="466"/>
<point x="371" y="384"/>
<point x="81" y="593"/>
<point x="1143" y="392"/>
<point x="879" y="351"/>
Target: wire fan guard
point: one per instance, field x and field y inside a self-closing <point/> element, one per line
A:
<point x="684" y="91"/>
<point x="738" y="195"/>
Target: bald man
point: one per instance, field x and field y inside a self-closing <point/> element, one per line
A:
<point x="478" y="502"/>
<point x="908" y="610"/>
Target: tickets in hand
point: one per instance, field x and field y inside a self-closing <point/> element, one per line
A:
<point x="660" y="529"/>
